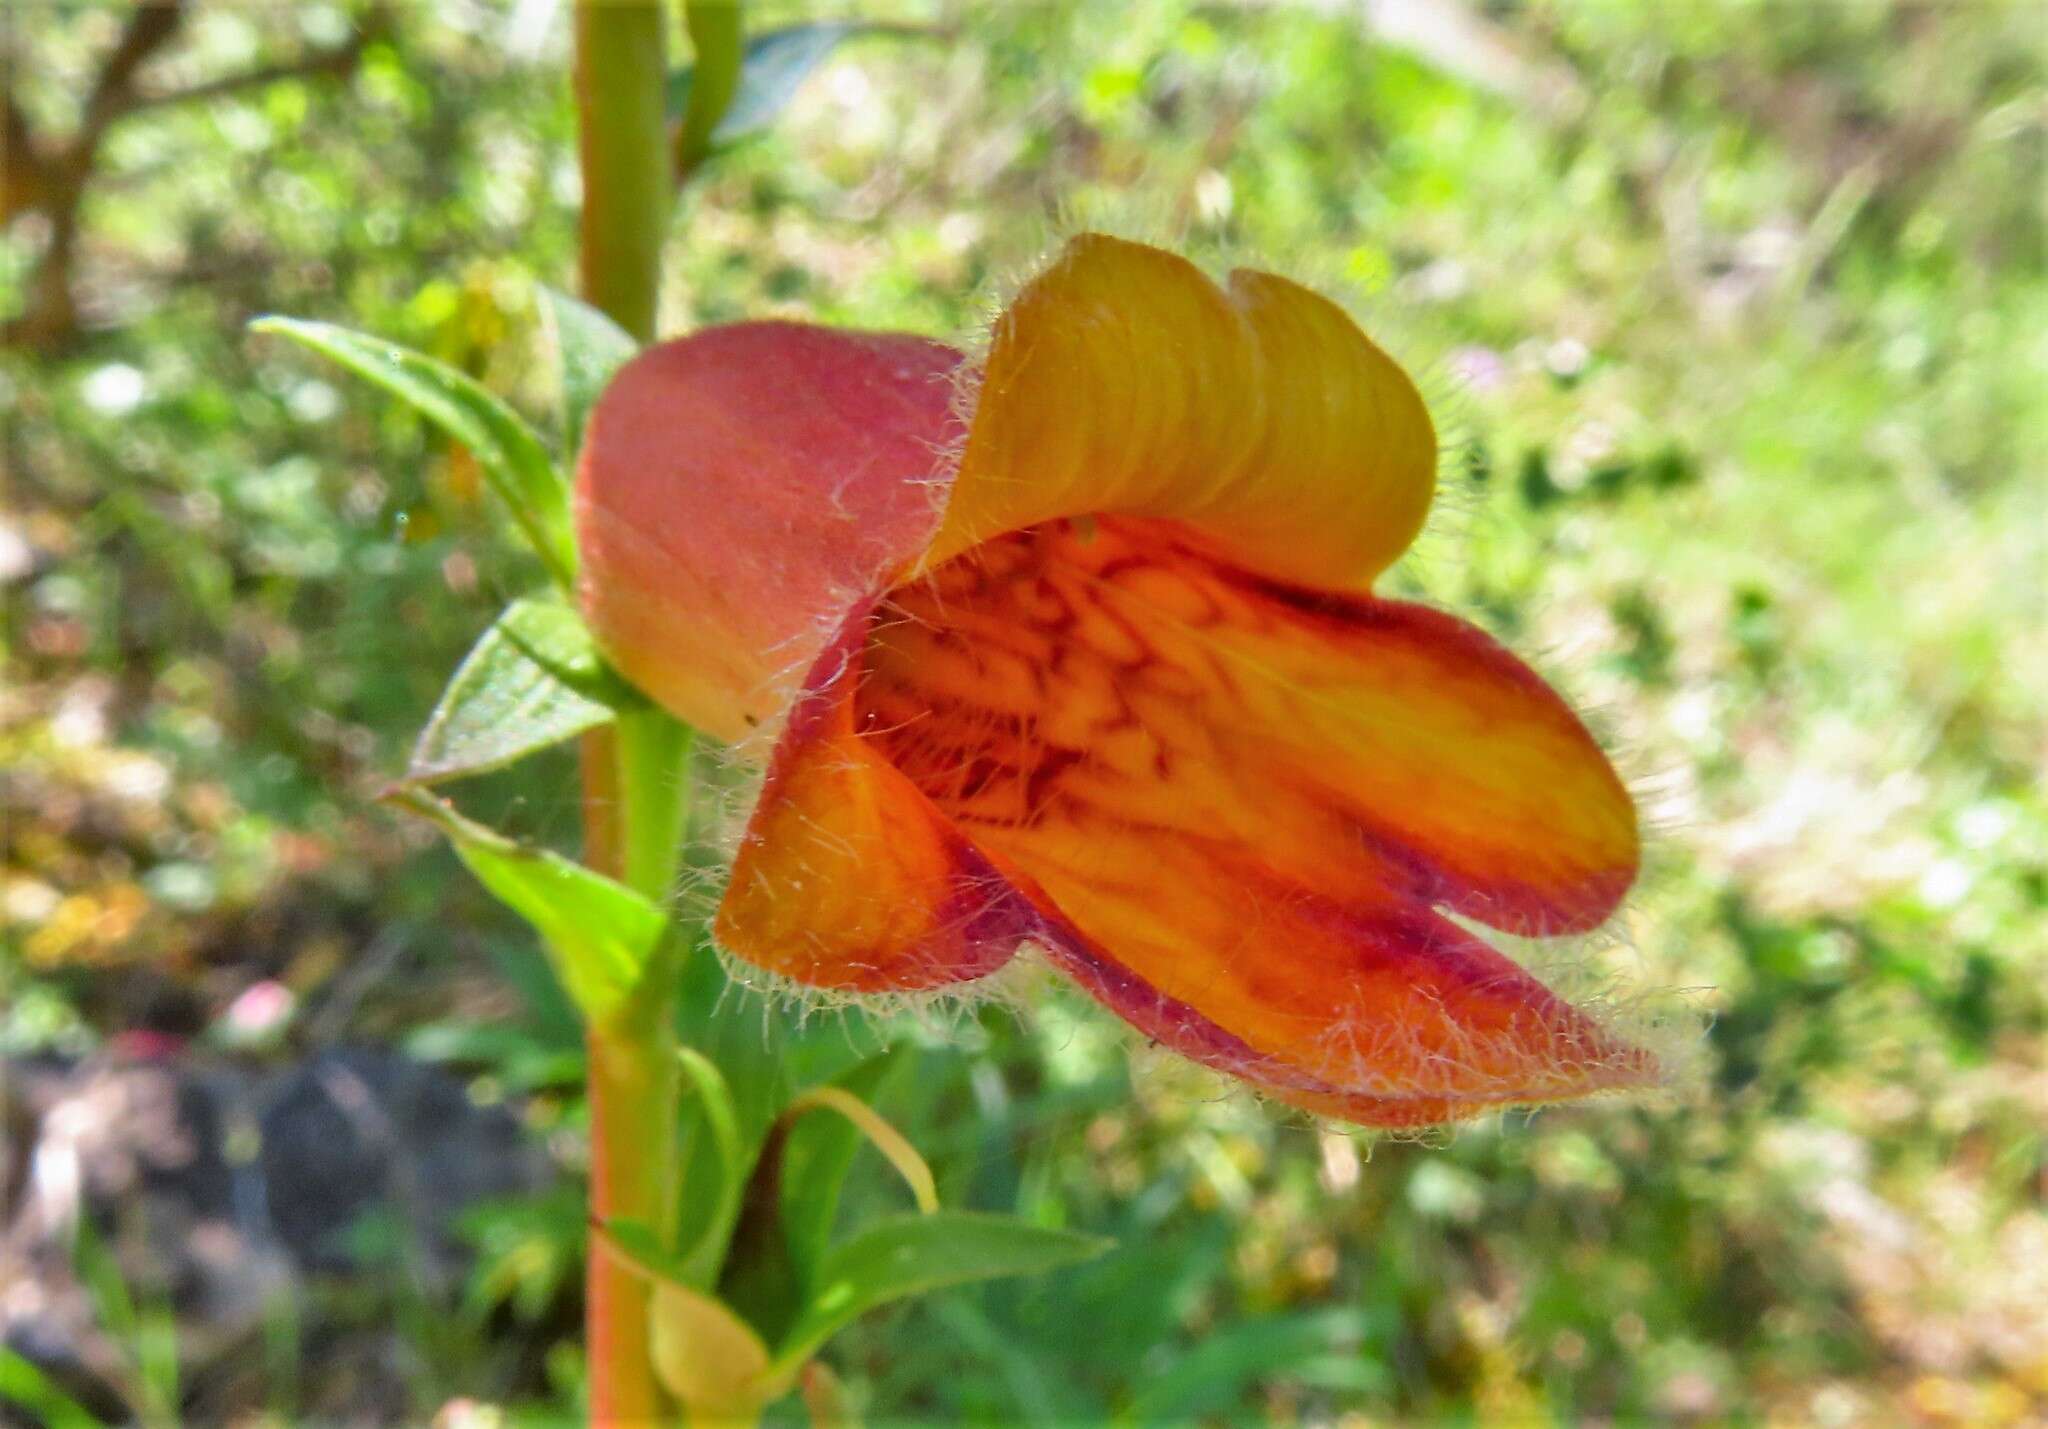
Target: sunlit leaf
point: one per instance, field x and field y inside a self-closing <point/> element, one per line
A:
<point x="710" y="1359"/>
<point x="533" y="680"/>
<point x="600" y="934"/>
<point x="706" y="1353"/>
<point x="512" y="457"/>
<point x="589" y="347"/>
<point x="893" y="1144"/>
<point x="774" y="67"/>
<point x="911" y="1255"/>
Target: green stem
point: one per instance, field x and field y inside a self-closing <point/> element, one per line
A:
<point x="620" y="72"/>
<point x="653" y="753"/>
<point x="716" y="35"/>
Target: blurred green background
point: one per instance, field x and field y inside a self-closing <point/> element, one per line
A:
<point x="1738" y="315"/>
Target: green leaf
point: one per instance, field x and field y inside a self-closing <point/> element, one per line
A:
<point x="815" y="1162"/>
<point x="23" y="1383"/>
<point x="912" y="1255"/>
<point x="512" y="457"/>
<point x="1321" y="1348"/>
<point x="713" y="1362"/>
<point x="701" y="1262"/>
<point x="774" y="67"/>
<point x="599" y="933"/>
<point x="767" y="1051"/>
<point x="100" y="1273"/>
<point x="716" y="31"/>
<point x="555" y="637"/>
<point x="770" y="1051"/>
<point x="534" y="679"/>
<point x="147" y="1333"/>
<point x="589" y="348"/>
<point x="791" y="1200"/>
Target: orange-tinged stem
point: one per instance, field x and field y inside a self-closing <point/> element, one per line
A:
<point x="620" y="72"/>
<point x="632" y="1152"/>
<point x="631" y="1138"/>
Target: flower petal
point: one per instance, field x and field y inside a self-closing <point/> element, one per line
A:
<point x="1250" y="796"/>
<point x="847" y="877"/>
<point x="740" y="489"/>
<point x="1403" y="1021"/>
<point x="1123" y="381"/>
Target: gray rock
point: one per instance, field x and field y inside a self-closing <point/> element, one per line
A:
<point x="220" y="1189"/>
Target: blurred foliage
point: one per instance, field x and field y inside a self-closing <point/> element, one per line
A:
<point x="1736" y="316"/>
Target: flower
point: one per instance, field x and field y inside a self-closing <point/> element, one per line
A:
<point x="1091" y="662"/>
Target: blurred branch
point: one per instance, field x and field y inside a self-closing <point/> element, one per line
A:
<point x="149" y="28"/>
<point x="50" y="178"/>
<point x="24" y="178"/>
<point x="53" y="179"/>
<point x="336" y="61"/>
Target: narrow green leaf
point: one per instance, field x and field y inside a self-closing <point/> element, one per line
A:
<point x="912" y="1255"/>
<point x="773" y="68"/>
<point x="156" y="1361"/>
<point x="589" y="348"/>
<point x="700" y="1264"/>
<point x="788" y="1209"/>
<point x="773" y="1051"/>
<point x="146" y="1333"/>
<point x="93" y="1262"/>
<point x="1319" y="1347"/>
<point x="599" y="934"/>
<point x="819" y="1154"/>
<point x="512" y="457"/>
<point x="533" y="679"/>
<point x="22" y="1382"/>
<point x="767" y="1052"/>
<point x="716" y="34"/>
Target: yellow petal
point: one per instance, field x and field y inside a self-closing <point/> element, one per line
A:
<point x="1123" y="381"/>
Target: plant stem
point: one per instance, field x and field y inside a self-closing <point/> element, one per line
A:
<point x="652" y="759"/>
<point x="626" y="188"/>
<point x="620" y="72"/>
<point x="633" y="1088"/>
<point x="716" y="35"/>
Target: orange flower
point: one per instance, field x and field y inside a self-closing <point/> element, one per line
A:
<point x="1096" y="667"/>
